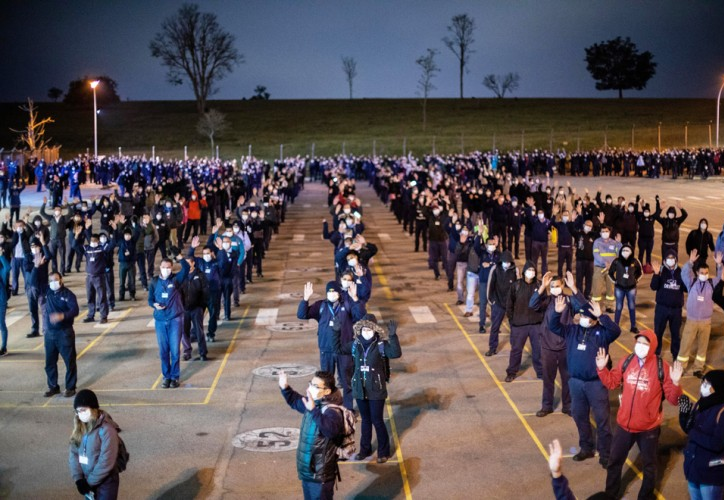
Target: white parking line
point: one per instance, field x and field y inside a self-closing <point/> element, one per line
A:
<point x="307" y="205"/>
<point x="384" y="237"/>
<point x="267" y="316"/>
<point x="714" y="197"/>
<point x="151" y="324"/>
<point x="422" y="314"/>
<point x="691" y="198"/>
<point x="675" y="198"/>
<point x="298" y="238"/>
<point x="14" y="317"/>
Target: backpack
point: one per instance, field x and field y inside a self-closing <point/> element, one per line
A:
<point x="346" y="446"/>
<point x="660" y="365"/>
<point x="381" y="349"/>
<point x="123" y="455"/>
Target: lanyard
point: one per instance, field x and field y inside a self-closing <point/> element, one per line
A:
<point x="333" y="312"/>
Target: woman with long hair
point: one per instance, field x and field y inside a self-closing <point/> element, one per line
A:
<point x="93" y="449"/>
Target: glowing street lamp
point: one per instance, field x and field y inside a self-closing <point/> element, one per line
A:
<point x="93" y="85"/>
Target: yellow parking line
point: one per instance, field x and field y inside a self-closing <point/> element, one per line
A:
<point x="226" y="357"/>
<point x="382" y="279"/>
<point x="497" y="382"/>
<point x="158" y="381"/>
<point x="398" y="451"/>
<point x="111" y="326"/>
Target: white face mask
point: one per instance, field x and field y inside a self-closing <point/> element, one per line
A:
<point x="703" y="277"/>
<point x="85" y="416"/>
<point x="564" y="218"/>
<point x="367" y="333"/>
<point x="530" y="274"/>
<point x="641" y="350"/>
<point x="54" y="285"/>
<point x="158" y="217"/>
<point x="93" y="244"/>
<point x="35" y="251"/>
<point x="630" y="209"/>
<point x="165" y="272"/>
<point x="491" y="248"/>
<point x="514" y="204"/>
<point x="585" y="322"/>
<point x="347" y="211"/>
<point x="436" y="212"/>
<point x="702" y="227"/>
<point x="103" y="241"/>
<point x="207" y="258"/>
<point x="57" y="214"/>
<point x="352" y="262"/>
<point x="671" y="216"/>
<point x="647" y="213"/>
<point x="345" y="284"/>
<point x="671" y="262"/>
<point x="625" y="254"/>
<point x="541" y="216"/>
<point x="332" y="296"/>
<point x="226" y="246"/>
<point x="705" y="390"/>
<point x="556" y="291"/>
<point x="605" y="235"/>
<point x="314" y="392"/>
<point x="20" y="230"/>
<point x="244" y="217"/>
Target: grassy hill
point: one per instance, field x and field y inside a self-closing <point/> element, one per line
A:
<point x="331" y="125"/>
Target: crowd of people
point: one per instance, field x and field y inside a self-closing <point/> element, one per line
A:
<point x="466" y="212"/>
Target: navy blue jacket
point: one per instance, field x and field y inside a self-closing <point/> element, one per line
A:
<point x="539" y="230"/>
<point x="565" y="233"/>
<point x="669" y="287"/>
<point x="582" y="362"/>
<point x="61" y="301"/>
<point x="126" y="249"/>
<point x="345" y="313"/>
<point x="167" y="292"/>
<point x="485" y="256"/>
<point x="4" y="279"/>
<point x="37" y="277"/>
<point x="210" y="270"/>
<point x="706" y="442"/>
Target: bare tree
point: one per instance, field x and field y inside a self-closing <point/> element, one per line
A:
<point x="349" y="66"/>
<point x="33" y="136"/>
<point x="429" y="70"/>
<point x="210" y="124"/>
<point x="501" y="85"/>
<point x="193" y="46"/>
<point x="54" y="93"/>
<point x="461" y="30"/>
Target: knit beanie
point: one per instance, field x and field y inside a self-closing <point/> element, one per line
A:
<point x="85" y="399"/>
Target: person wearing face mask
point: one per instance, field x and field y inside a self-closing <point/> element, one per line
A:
<point x="627" y="223"/>
<point x="670" y="226"/>
<point x="502" y="277"/>
<point x="565" y="230"/>
<point x="36" y="273"/>
<point x="94" y="445"/>
<point x="437" y="240"/>
<point x="702" y="241"/>
<point x="227" y="257"/>
<point x="360" y="275"/>
<point x="645" y="381"/>
<point x="584" y="240"/>
<point x="146" y="238"/>
<point x="321" y="430"/>
<point x="540" y="229"/>
<point x="588" y="394"/>
<point x="670" y="289"/>
<point x="166" y="299"/>
<point x="75" y="251"/>
<point x="58" y="230"/>
<point x="59" y="311"/>
<point x="126" y="242"/>
<point x="605" y="251"/>
<point x="703" y="422"/>
<point x="515" y="221"/>
<point x="339" y="312"/>
<point x="484" y="260"/>
<point x="625" y="272"/>
<point x="194" y="207"/>
<point x="210" y="267"/>
<point x="422" y="215"/>
<point x="164" y="233"/>
<point x="463" y="247"/>
<point x="4" y="297"/>
<point x="699" y="309"/>
<point x="646" y="221"/>
<point x="20" y="248"/>
<point x="553" y="347"/>
<point x="371" y="353"/>
<point x="195" y="297"/>
<point x="525" y="323"/>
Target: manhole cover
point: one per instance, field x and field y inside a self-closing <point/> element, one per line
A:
<point x="293" y="326"/>
<point x="291" y="369"/>
<point x="269" y="440"/>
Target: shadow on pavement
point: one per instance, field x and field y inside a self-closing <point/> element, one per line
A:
<point x="388" y="481"/>
<point x="189" y="487"/>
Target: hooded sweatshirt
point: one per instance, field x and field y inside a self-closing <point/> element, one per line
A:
<point x="519" y="313"/>
<point x="625" y="272"/>
<point x="501" y="281"/>
<point x="699" y="303"/>
<point x="669" y="286"/>
<point x="641" y="408"/>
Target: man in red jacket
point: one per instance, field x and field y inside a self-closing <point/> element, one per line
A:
<point x="645" y="381"/>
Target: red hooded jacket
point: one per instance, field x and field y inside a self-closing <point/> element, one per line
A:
<point x="640" y="408"/>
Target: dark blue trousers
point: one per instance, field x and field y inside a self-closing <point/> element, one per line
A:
<point x="672" y="316"/>
<point x="214" y="306"/>
<point x="226" y="289"/>
<point x="194" y="323"/>
<point x="587" y="396"/>
<point x="518" y="336"/>
<point x="372" y="411"/>
<point x="497" y="314"/>
<point x="63" y="344"/>
<point x="318" y="491"/>
<point x="345" y="371"/>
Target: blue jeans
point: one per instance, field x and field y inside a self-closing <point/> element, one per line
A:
<point x="483" y="289"/>
<point x="587" y="396"/>
<point x="705" y="491"/>
<point x="471" y="282"/>
<point x="630" y="296"/>
<point x="168" y="335"/>
<point x="318" y="491"/>
<point x="3" y="325"/>
<point x="371" y="411"/>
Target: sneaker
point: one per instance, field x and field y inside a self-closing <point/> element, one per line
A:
<point x="201" y="358"/>
<point x="69" y="393"/>
<point x="481" y="329"/>
<point x="361" y="456"/>
<point x="210" y="338"/>
<point x="236" y="304"/>
<point x="459" y="303"/>
<point x="510" y="378"/>
<point x="166" y="382"/>
<point x="32" y="335"/>
<point x="133" y="298"/>
<point x="634" y="330"/>
<point x="583" y="455"/>
<point x="491" y="352"/>
<point x="542" y="413"/>
<point x="121" y="299"/>
<point x="51" y="392"/>
<point x="89" y="319"/>
<point x="173" y="384"/>
<point x="113" y="307"/>
<point x="381" y="460"/>
<point x="699" y="374"/>
<point x="437" y="278"/>
<point x="450" y="289"/>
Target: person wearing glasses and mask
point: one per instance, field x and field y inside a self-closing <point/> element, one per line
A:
<point x="94" y="446"/>
<point x="61" y="308"/>
<point x="320" y="431"/>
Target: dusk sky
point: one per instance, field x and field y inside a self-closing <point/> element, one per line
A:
<point x="294" y="47"/>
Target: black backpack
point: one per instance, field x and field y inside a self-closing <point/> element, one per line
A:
<point x="123" y="455"/>
<point x="660" y="365"/>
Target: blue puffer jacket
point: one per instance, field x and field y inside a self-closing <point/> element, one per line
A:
<point x="100" y="446"/>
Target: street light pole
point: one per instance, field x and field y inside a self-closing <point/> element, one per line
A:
<point x="93" y="85"/>
<point x="718" y="101"/>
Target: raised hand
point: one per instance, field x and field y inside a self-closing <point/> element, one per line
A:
<point x="655" y="266"/>
<point x="560" y="304"/>
<point x="555" y="454"/>
<point x="570" y="281"/>
<point x="308" y="291"/>
<point x="595" y="308"/>
<point x="283" y="379"/>
<point x="392" y="327"/>
<point x="695" y="254"/>
<point x="195" y="242"/>
<point x="352" y="291"/>
<point x="601" y="358"/>
<point x="718" y="258"/>
<point x="547" y="278"/>
<point x="675" y="372"/>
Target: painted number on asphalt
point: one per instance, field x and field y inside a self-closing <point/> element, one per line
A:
<point x="291" y="369"/>
<point x="268" y="440"/>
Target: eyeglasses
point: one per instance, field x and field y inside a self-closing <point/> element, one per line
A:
<point x="311" y="384"/>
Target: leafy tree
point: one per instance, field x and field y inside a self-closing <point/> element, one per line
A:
<point x="194" y="47"/>
<point x="33" y="136"/>
<point x="617" y="65"/>
<point x="54" y="93"/>
<point x="461" y="30"/>
<point x="211" y="124"/>
<point x="349" y="66"/>
<point x="501" y="85"/>
<point x="429" y="69"/>
<point x="81" y="93"/>
<point x="260" y="94"/>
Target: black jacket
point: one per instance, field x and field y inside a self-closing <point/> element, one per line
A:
<point x="195" y="289"/>
<point x="371" y="384"/>
<point x="519" y="312"/>
<point x="669" y="287"/>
